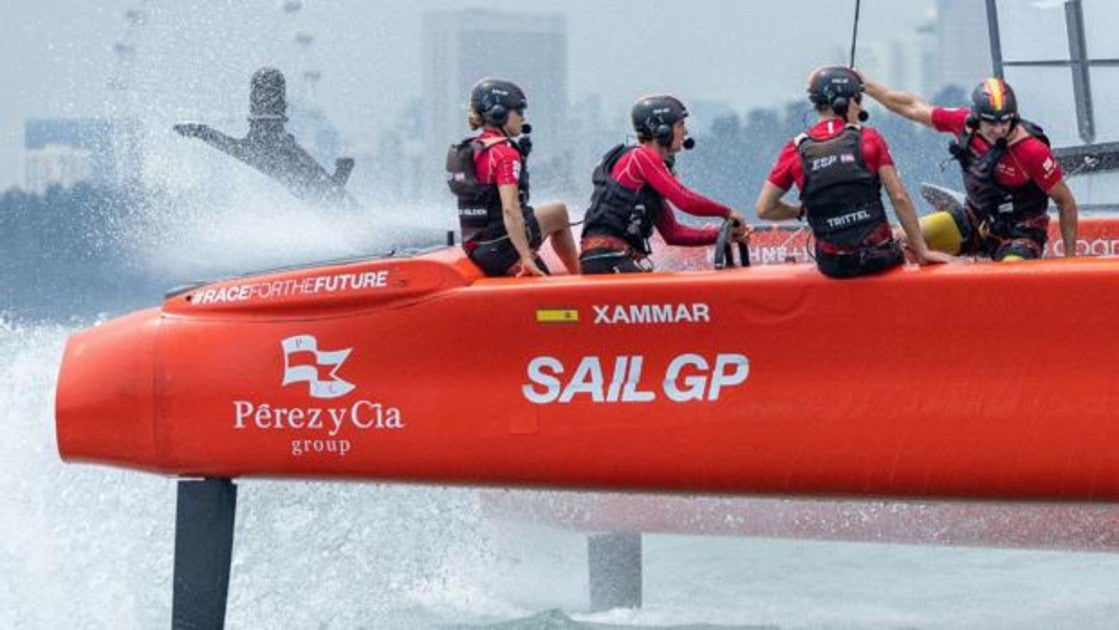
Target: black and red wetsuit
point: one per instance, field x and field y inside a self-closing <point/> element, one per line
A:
<point x="835" y="166"/>
<point x="1007" y="188"/>
<point x="631" y="186"/>
<point x="497" y="162"/>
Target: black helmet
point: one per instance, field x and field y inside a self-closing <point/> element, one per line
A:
<point x="829" y="84"/>
<point x="495" y="98"/>
<point x="994" y="101"/>
<point x="654" y="116"/>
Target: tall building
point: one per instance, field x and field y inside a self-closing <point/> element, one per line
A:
<point x="963" y="43"/>
<point x="462" y="46"/>
<point x="54" y="147"/>
<point x="928" y="53"/>
<point x="56" y="165"/>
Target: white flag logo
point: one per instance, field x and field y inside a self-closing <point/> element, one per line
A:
<point x="304" y="362"/>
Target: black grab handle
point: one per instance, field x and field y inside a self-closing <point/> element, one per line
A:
<point x="724" y="252"/>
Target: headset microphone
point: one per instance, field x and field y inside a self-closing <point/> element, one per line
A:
<point x="689" y="143"/>
<point x="863" y="116"/>
<point x="526" y="128"/>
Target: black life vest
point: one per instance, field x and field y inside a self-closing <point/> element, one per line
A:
<point x="842" y="198"/>
<point x="618" y="211"/>
<point x="988" y="198"/>
<point x="479" y="205"/>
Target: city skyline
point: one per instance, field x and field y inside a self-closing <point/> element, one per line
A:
<point x="190" y="64"/>
<point x="461" y="46"/>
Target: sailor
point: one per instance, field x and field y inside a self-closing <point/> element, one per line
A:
<point x="1009" y="174"/>
<point x="631" y="186"/>
<point x="840" y="168"/>
<point x="501" y="233"/>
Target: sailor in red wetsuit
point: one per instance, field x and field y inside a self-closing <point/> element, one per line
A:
<point x="840" y="168"/>
<point x="631" y="185"/>
<point x="500" y="231"/>
<point x="1009" y="174"/>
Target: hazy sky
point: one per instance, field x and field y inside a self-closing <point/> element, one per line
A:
<point x="194" y="57"/>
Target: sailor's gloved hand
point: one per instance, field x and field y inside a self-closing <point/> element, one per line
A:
<point x="524" y="145"/>
<point x="742" y="230"/>
<point x="742" y="233"/>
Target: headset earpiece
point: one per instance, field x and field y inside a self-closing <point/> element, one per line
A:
<point x="972" y="120"/>
<point x="663" y="135"/>
<point x="497" y="115"/>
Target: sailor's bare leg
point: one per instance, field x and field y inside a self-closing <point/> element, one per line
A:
<point x="556" y="227"/>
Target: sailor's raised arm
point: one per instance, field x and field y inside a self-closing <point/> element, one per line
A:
<point x="902" y="103"/>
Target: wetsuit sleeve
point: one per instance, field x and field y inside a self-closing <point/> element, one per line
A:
<point x="1038" y="162"/>
<point x="676" y="233"/>
<point x="949" y="120"/>
<point x="781" y="175"/>
<point x="653" y="172"/>
<point x="875" y="150"/>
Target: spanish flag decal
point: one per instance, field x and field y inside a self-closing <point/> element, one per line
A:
<point x="998" y="96"/>
<point x="557" y="316"/>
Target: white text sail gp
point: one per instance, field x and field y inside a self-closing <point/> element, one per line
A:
<point x="689" y="377"/>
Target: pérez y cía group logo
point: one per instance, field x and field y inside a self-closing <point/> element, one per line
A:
<point x="316" y="429"/>
<point x="304" y="362"/>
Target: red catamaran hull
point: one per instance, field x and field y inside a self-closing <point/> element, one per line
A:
<point x="971" y="380"/>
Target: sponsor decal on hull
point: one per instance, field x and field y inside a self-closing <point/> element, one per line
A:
<point x="317" y="429"/>
<point x="303" y="362"/>
<point x="671" y="313"/>
<point x="1087" y="247"/>
<point x="279" y="289"/>
<point x="688" y="378"/>
<point x="630" y="314"/>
